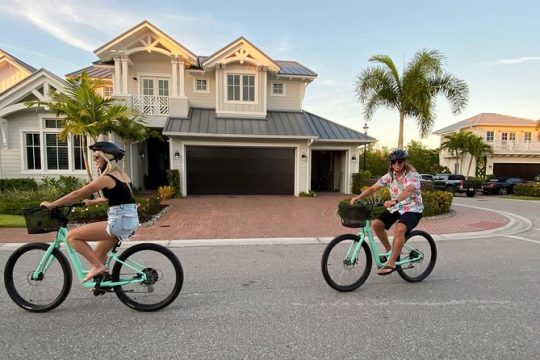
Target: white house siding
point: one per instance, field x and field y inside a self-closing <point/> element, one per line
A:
<point x="199" y="99"/>
<point x="292" y="101"/>
<point x="153" y="64"/>
<point x="250" y="110"/>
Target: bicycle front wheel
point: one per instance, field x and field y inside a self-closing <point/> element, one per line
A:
<point x="345" y="265"/>
<point x="164" y="277"/>
<point x="421" y="251"/>
<point x="37" y="292"/>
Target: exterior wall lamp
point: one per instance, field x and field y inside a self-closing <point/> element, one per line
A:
<point x="304" y="157"/>
<point x="353" y="158"/>
<point x="141" y="154"/>
<point x="177" y="155"/>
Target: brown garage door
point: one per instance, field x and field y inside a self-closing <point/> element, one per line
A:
<point x="524" y="171"/>
<point x="239" y="171"/>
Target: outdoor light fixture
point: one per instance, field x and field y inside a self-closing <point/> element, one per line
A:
<point x="304" y="157"/>
<point x="141" y="154"/>
<point x="177" y="154"/>
<point x="353" y="158"/>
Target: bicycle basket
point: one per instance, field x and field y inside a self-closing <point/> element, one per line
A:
<point x="40" y="221"/>
<point x="354" y="216"/>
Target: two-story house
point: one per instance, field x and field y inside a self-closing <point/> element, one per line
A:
<point x="515" y="142"/>
<point x="232" y="122"/>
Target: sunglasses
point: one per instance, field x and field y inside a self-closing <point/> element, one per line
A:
<point x="398" y="161"/>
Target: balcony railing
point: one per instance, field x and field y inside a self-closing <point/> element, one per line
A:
<point x="151" y="104"/>
<point x="508" y="148"/>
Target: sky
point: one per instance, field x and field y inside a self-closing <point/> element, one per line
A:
<point x="493" y="45"/>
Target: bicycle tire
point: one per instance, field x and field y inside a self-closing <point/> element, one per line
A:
<point x="417" y="268"/>
<point x="145" y="254"/>
<point x="28" y="300"/>
<point x="328" y="263"/>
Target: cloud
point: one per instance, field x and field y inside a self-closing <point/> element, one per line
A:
<point x="515" y="61"/>
<point x="74" y="22"/>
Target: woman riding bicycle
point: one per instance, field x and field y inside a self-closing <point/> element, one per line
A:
<point x="122" y="217"/>
<point x="405" y="205"/>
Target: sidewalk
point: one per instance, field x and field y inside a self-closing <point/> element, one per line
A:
<point x="252" y="217"/>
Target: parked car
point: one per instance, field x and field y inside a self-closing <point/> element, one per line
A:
<point x="501" y="186"/>
<point x="427" y="177"/>
<point x="456" y="183"/>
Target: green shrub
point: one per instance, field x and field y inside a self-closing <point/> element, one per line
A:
<point x="436" y="202"/>
<point x="307" y="194"/>
<point x="528" y="189"/>
<point x="426" y="185"/>
<point x="148" y="208"/>
<point x="22" y="184"/>
<point x="62" y="185"/>
<point x="13" y="202"/>
<point x="173" y="177"/>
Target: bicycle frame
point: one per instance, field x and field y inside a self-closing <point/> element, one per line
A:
<point x="47" y="260"/>
<point x="354" y="249"/>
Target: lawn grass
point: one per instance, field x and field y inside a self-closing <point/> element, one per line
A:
<point x="12" y="221"/>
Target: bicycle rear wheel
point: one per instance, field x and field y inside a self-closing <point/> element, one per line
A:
<point x="48" y="289"/>
<point x="164" y="277"/>
<point x="345" y="267"/>
<point x="421" y="250"/>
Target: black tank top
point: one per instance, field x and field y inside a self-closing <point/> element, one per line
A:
<point x="120" y="194"/>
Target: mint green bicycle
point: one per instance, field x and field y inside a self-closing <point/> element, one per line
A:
<point x="38" y="277"/>
<point x="347" y="260"/>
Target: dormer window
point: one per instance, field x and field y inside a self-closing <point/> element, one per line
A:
<point x="278" y="88"/>
<point x="201" y="86"/>
<point x="241" y="87"/>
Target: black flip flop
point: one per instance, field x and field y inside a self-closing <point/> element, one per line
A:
<point x="387" y="267"/>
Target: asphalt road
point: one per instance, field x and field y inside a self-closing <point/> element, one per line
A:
<point x="271" y="302"/>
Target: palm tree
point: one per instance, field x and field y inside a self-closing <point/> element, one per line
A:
<point x="456" y="144"/>
<point x="85" y="112"/>
<point x="413" y="93"/>
<point x="477" y="148"/>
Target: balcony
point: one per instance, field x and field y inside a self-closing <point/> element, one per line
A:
<point x="515" y="147"/>
<point x="151" y="104"/>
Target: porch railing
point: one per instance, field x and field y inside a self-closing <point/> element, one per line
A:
<point x="151" y="104"/>
<point x="508" y="147"/>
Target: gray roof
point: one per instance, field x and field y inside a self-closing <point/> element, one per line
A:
<point x="491" y="119"/>
<point x="302" y="124"/>
<point x="95" y="72"/>
<point x="18" y="61"/>
<point x="286" y="67"/>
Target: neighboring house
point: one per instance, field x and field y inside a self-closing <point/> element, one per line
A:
<point x="232" y="122"/>
<point x="515" y="141"/>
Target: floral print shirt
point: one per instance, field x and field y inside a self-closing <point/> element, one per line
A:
<point x="413" y="203"/>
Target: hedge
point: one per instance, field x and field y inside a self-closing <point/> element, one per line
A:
<point x="22" y="184"/>
<point x="528" y="189"/>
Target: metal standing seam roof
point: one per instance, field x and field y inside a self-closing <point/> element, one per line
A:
<point x="96" y="72"/>
<point x="286" y="67"/>
<point x="277" y="124"/>
<point x="18" y="61"/>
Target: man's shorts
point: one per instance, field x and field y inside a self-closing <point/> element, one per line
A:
<point x="122" y="220"/>
<point x="409" y="219"/>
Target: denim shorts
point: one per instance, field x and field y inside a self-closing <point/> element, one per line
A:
<point x="122" y="221"/>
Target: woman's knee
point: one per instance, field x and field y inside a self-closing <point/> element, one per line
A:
<point x="377" y="225"/>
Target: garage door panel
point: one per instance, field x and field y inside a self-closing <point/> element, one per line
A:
<point x="524" y="171"/>
<point x="239" y="171"/>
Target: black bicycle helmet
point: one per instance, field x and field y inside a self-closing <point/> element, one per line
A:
<point x="398" y="154"/>
<point x="109" y="148"/>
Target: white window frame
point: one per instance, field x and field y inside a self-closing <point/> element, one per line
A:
<point x="241" y="73"/>
<point x="272" y="93"/>
<point x="488" y="137"/>
<point x="155" y="77"/>
<point x="196" y="80"/>
<point x="527" y="137"/>
<point x="42" y="131"/>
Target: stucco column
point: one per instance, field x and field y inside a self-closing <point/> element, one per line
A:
<point x="174" y="68"/>
<point x="181" y="76"/>
<point x="124" y="76"/>
<point x="117" y="71"/>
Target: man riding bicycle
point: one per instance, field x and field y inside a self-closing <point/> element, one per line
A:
<point x="405" y="205"/>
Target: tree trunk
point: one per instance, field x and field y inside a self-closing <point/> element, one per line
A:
<point x="470" y="164"/>
<point x="400" y="136"/>
<point x="85" y="158"/>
